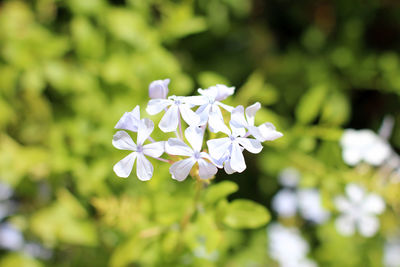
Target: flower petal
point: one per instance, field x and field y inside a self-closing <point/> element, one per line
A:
<point x="237" y="117"/>
<point x="204" y="113"/>
<point x="122" y="140"/>
<point x="154" y="149"/>
<point x="228" y="168"/>
<point x="355" y="193"/>
<point x="268" y="132"/>
<point x="188" y="115"/>
<point x="124" y="167"/>
<point x="251" y="145"/>
<point x="170" y="120"/>
<point x="155" y="106"/>
<point x="145" y="128"/>
<point x="197" y="100"/>
<point x="194" y="135"/>
<point x="224" y="106"/>
<point x="181" y="169"/>
<point x="373" y="204"/>
<point x="342" y="204"/>
<point x="175" y="146"/>
<point x="237" y="159"/>
<point x="285" y="203"/>
<point x="218" y="147"/>
<point x="130" y="120"/>
<point x="345" y="225"/>
<point x="351" y="156"/>
<point x="368" y="225"/>
<point x="251" y="112"/>
<point x="159" y="89"/>
<point x="216" y="121"/>
<point x="144" y="169"/>
<point x="206" y="169"/>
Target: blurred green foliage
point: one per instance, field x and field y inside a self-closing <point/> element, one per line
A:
<point x="70" y="69"/>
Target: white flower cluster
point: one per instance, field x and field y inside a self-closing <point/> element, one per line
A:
<point x="291" y="199"/>
<point x="358" y="210"/>
<point x="225" y="152"/>
<point x="287" y="247"/>
<point x="364" y="145"/>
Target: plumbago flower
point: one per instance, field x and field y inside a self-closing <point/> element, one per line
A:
<point x="364" y="145"/>
<point x="122" y="140"/>
<point x="180" y="169"/>
<point x="199" y="113"/>
<point x="359" y="210"/>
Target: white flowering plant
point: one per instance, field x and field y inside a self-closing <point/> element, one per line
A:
<point x="199" y="114"/>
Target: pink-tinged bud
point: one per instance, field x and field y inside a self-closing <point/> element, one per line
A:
<point x="159" y="89"/>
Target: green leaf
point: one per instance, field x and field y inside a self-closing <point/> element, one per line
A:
<point x="244" y="213"/>
<point x="16" y="259"/>
<point x="336" y="109"/>
<point x="310" y="104"/>
<point x="219" y="191"/>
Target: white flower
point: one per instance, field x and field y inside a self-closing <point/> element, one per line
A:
<point x="287" y="247"/>
<point x="181" y="169"/>
<point x="178" y="106"/>
<point x="159" y="89"/>
<point x="285" y="203"/>
<point x="310" y="206"/>
<point x="359" y="210"/>
<point x="391" y="253"/>
<point x="130" y="120"/>
<point x="265" y="132"/>
<point x="364" y="145"/>
<point x="10" y="237"/>
<point x="233" y="145"/>
<point x="289" y="177"/>
<point x="122" y="140"/>
<point x="209" y="110"/>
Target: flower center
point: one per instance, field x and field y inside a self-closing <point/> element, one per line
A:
<point x="232" y="138"/>
<point x="196" y="155"/>
<point x="177" y="102"/>
<point x="139" y="148"/>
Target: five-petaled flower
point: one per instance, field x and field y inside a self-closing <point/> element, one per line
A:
<point x="123" y="141"/>
<point x="359" y="211"/>
<point x="181" y="169"/>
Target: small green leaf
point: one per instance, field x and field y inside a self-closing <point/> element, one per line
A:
<point x="336" y="109"/>
<point x="244" y="213"/>
<point x="220" y="191"/>
<point x="310" y="104"/>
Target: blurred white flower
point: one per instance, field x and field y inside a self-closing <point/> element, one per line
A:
<point x="307" y="201"/>
<point x="265" y="132"/>
<point x="359" y="210"/>
<point x="364" y="145"/>
<point x="5" y="191"/>
<point x="123" y="141"/>
<point x="391" y="253"/>
<point x="130" y="120"/>
<point x="310" y="206"/>
<point x="37" y="251"/>
<point x="10" y="237"/>
<point x="159" y="89"/>
<point x="178" y="106"/>
<point x="289" y="177"/>
<point x="181" y="169"/>
<point x="285" y="203"/>
<point x="287" y="247"/>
